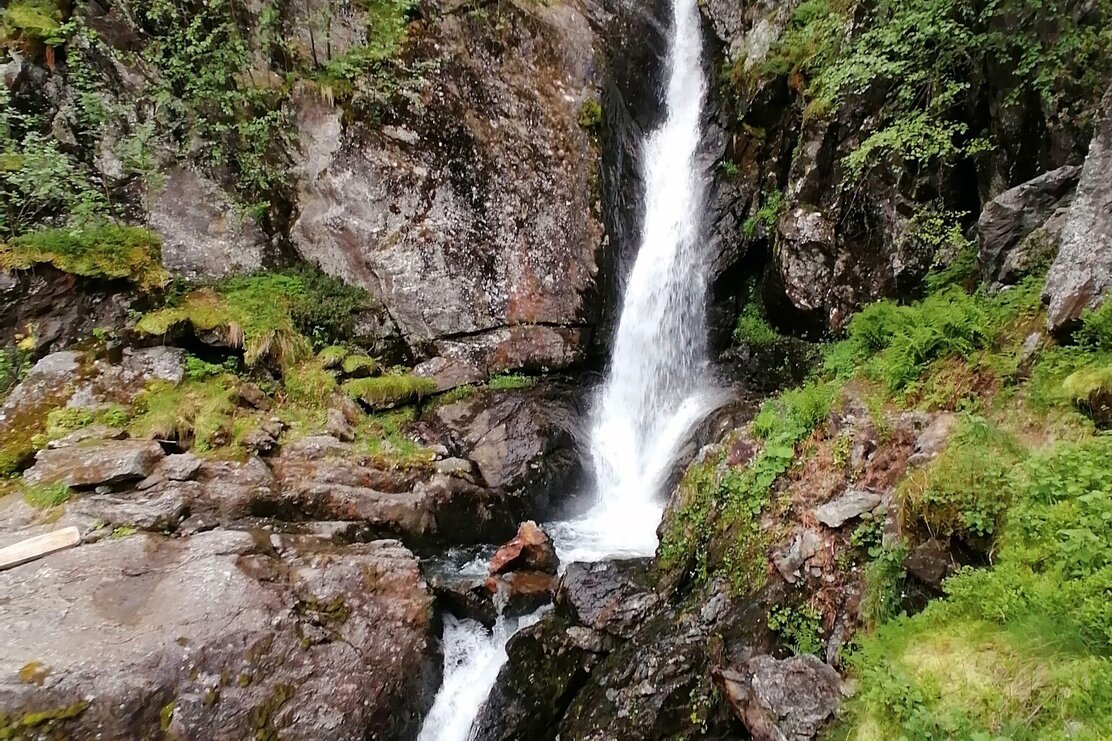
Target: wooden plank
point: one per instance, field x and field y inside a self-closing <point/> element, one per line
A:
<point x="38" y="546"/>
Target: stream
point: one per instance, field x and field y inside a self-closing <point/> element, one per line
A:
<point x="656" y="391"/>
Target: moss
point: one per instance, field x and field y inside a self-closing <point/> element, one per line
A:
<point x="197" y="414"/>
<point x="459" y="393"/>
<point x="110" y="252"/>
<point x="386" y="392"/>
<point x="590" y="116"/>
<point x="46" y="496"/>
<point x="1090" y="390"/>
<point x="333" y="356"/>
<point x="166" y="716"/>
<point x="309" y="383"/>
<point x="388" y="445"/>
<point x="360" y="366"/>
<point x="510" y="381"/>
<point x="262" y="716"/>
<point x="32" y="21"/>
<point x="34" y="672"/>
<point x="34" y="724"/>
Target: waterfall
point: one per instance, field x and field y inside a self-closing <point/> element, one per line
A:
<point x="657" y="388"/>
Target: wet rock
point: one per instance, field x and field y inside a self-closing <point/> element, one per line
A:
<point x="204" y="234"/>
<point x="803" y="547"/>
<point x="457" y="467"/>
<point x="782" y="700"/>
<point x="854" y="503"/>
<point x="521" y="442"/>
<point x="250" y="395"/>
<point x="546" y="664"/>
<point x="154" y="510"/>
<point x="1009" y="218"/>
<point x="521" y="592"/>
<point x="464" y="596"/>
<point x="930" y="562"/>
<point x="530" y="550"/>
<point x="1082" y="273"/>
<point x="108" y="463"/>
<point x="338" y="426"/>
<point x="610" y="596"/>
<point x="217" y="635"/>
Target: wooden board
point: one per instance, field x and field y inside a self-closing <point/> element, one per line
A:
<point x="38" y="546"/>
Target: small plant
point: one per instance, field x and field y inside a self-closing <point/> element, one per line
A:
<point x="766" y="216"/>
<point x="799" y="627"/>
<point x="590" y="116"/>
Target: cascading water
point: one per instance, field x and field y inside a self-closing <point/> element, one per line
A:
<point x="656" y="391"/>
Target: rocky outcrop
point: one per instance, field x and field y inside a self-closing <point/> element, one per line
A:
<point x="1081" y="275"/>
<point x="1007" y="222"/>
<point x="221" y="634"/>
<point x="523" y="571"/>
<point x="429" y="213"/>
<point x="105" y="463"/>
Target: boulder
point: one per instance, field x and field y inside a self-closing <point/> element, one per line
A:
<point x="854" y="503"/>
<point x="218" y="635"/>
<point x="1082" y="272"/>
<point x="520" y="592"/>
<point x="101" y="463"/>
<point x="204" y="233"/>
<point x="449" y="373"/>
<point x="930" y="562"/>
<point x="521" y="442"/>
<point x="782" y="700"/>
<point x="530" y="550"/>
<point x="1009" y="218"/>
<point x="609" y="596"/>
<point x="802" y="548"/>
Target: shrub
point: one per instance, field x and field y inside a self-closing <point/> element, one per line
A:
<point x="799" y="627"/>
<point x="111" y="252"/>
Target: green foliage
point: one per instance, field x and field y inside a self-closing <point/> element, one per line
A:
<point x="1020" y="650"/>
<point x="109" y="251"/>
<point x="920" y="56"/>
<point x="716" y="528"/>
<point x="60" y="422"/>
<point x="390" y="447"/>
<point x="799" y="627"/>
<point x="895" y="344"/>
<point x="32" y="22"/>
<point x="45" y="496"/>
<point x="510" y="381"/>
<point x="333" y="356"/>
<point x="1095" y="332"/>
<point x="965" y="490"/>
<point x="590" y="115"/>
<point x="753" y="329"/>
<point x="385" y="392"/>
<point x="884" y="581"/>
<point x="309" y="382"/>
<point x="196" y="369"/>
<point x="197" y="414"/>
<point x="766" y="216"/>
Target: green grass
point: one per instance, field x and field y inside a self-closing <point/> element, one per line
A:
<point x="197" y="414"/>
<point x="109" y="252"/>
<point x="389" y="446"/>
<point x="357" y="364"/>
<point x="309" y="382"/>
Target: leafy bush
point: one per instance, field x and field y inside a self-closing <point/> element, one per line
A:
<point x="110" y="251"/>
<point x="1021" y="650"/>
<point x="799" y="627"/>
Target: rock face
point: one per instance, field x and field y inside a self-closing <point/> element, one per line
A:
<point x="106" y="463"/>
<point x="1081" y="276"/>
<point x="222" y="634"/>
<point x="1009" y="219"/>
<point x="472" y="218"/>
<point x="204" y="235"/>
<point x="784" y="700"/>
<point x="530" y="550"/>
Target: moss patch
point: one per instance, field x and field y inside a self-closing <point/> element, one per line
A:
<point x="109" y="252"/>
<point x="386" y="392"/>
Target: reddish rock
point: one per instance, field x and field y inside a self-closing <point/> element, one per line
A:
<point x="530" y="550"/>
<point x="520" y="592"/>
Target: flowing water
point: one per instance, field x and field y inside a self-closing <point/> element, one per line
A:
<point x="654" y="395"/>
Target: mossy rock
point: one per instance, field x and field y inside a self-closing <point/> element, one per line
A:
<point x="360" y="366"/>
<point x="333" y="356"/>
<point x="386" y="392"/>
<point x="108" y="252"/>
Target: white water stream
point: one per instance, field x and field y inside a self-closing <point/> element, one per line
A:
<point x="656" y="392"/>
